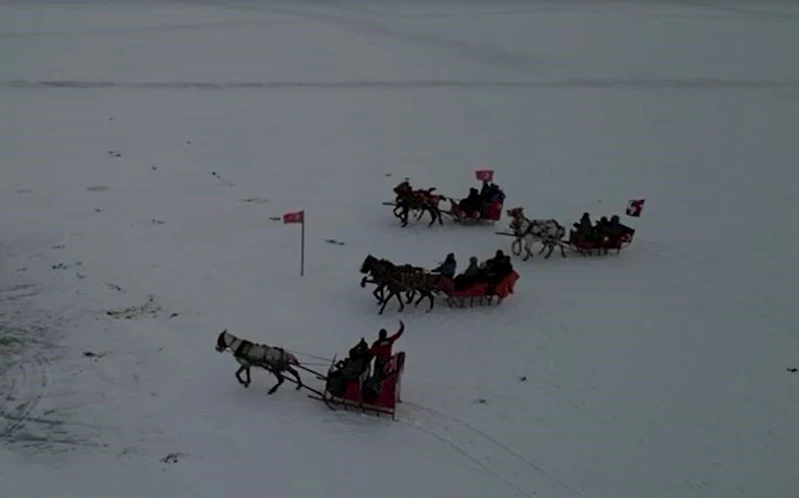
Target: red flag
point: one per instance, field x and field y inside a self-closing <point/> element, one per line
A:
<point x="295" y="217"/>
<point x="634" y="207"/>
<point x="484" y="175"/>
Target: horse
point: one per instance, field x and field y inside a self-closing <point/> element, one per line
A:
<point x="547" y="231"/>
<point x="380" y="270"/>
<point x="397" y="279"/>
<point x="248" y="354"/>
<point x="377" y="269"/>
<point x="408" y="200"/>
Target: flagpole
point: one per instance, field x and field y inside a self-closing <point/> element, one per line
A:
<point x="302" y="246"/>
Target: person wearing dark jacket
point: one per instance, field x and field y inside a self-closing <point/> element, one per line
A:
<point x="491" y="264"/>
<point x="469" y="276"/>
<point x="448" y="267"/>
<point x="470" y="203"/>
<point x="381" y="348"/>
<point x="498" y="268"/>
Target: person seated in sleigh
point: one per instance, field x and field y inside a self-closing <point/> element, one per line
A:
<point x="497" y="268"/>
<point x="471" y="204"/>
<point x="447" y="268"/>
<point x="584" y="229"/>
<point x="615" y="229"/>
<point x="469" y="277"/>
<point x="490" y="193"/>
<point x="356" y="363"/>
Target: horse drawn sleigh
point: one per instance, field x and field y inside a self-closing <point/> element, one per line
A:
<point x="483" y="205"/>
<point x="374" y="392"/>
<point x="349" y="383"/>
<point x="395" y="281"/>
<point x="586" y="238"/>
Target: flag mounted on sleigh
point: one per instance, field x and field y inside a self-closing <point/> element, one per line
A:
<point x="634" y="207"/>
<point x="484" y="175"/>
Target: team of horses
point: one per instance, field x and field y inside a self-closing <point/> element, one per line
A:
<point x="548" y="232"/>
<point x="409" y="200"/>
<point x="392" y="281"/>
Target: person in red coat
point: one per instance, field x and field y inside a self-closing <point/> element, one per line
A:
<point x="381" y="348"/>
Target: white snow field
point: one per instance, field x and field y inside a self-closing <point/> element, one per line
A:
<point x="146" y="148"/>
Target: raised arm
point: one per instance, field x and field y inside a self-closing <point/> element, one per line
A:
<point x="398" y="334"/>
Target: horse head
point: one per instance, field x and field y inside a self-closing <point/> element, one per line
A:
<point x="221" y="341"/>
<point x="516" y="212"/>
<point x="403" y="188"/>
<point x="368" y="264"/>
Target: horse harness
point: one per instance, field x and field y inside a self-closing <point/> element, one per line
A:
<point x="246" y="346"/>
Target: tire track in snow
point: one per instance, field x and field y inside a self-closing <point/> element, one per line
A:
<point x="25" y="383"/>
<point x="498" y="459"/>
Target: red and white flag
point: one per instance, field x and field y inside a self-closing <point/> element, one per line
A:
<point x="634" y="207"/>
<point x="484" y="175"/>
<point x="295" y="217"/>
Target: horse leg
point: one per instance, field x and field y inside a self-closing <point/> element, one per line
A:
<point x="245" y="383"/>
<point x="404" y="215"/>
<point x="399" y="300"/>
<point x="516" y="246"/>
<point x="296" y="375"/>
<point x="385" y="301"/>
<point x="377" y="293"/>
<point x="410" y="294"/>
<point x="280" y="381"/>
<point x="528" y="249"/>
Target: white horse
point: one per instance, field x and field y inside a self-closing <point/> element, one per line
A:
<point x="546" y="231"/>
<point x="249" y="354"/>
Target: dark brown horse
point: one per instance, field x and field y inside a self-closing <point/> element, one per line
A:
<point x="398" y="279"/>
<point x="408" y="200"/>
<point x="386" y="275"/>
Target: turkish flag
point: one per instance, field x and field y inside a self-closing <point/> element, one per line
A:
<point x="634" y="207"/>
<point x="484" y="175"/>
<point x="295" y="217"/>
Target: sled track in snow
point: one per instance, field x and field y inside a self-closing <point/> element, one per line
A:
<point x="492" y="456"/>
<point x="24" y="383"/>
<point x="28" y="342"/>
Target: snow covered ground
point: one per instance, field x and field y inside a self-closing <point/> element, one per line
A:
<point x="146" y="147"/>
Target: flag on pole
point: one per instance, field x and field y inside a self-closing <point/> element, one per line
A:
<point x="294" y="217"/>
<point x="484" y="175"/>
<point x="298" y="217"/>
<point x="634" y="207"/>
